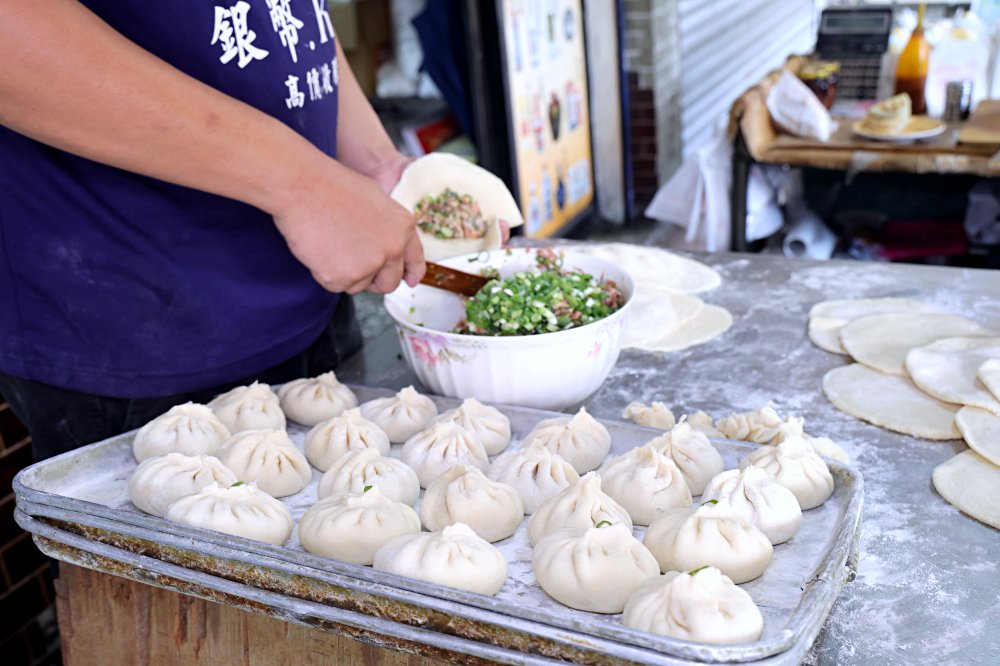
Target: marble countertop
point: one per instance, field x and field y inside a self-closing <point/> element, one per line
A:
<point x="928" y="583"/>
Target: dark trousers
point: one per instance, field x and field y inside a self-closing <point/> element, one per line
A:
<point x="61" y="420"/>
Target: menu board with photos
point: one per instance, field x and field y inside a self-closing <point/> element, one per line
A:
<point x="546" y="81"/>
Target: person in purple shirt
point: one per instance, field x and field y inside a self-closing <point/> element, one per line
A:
<point x="187" y="187"/>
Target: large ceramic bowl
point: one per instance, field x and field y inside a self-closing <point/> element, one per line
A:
<point x="545" y="371"/>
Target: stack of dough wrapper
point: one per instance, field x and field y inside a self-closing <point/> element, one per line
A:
<point x="922" y="372"/>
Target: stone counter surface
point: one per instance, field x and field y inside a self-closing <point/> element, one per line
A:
<point x="928" y="584"/>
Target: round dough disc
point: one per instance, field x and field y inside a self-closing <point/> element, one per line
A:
<point x="660" y="269"/>
<point x="989" y="375"/>
<point x="882" y="341"/>
<point x="828" y="317"/>
<point x="981" y="430"/>
<point x="651" y="316"/>
<point x="890" y="402"/>
<point x="710" y="322"/>
<point x="431" y="174"/>
<point x="946" y="369"/>
<point x="657" y="312"/>
<point x="971" y="484"/>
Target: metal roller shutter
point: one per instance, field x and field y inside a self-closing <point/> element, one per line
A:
<point x="727" y="45"/>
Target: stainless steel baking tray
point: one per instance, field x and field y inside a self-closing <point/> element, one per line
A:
<point x="78" y="503"/>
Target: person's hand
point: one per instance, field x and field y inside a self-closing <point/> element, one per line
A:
<point x="387" y="173"/>
<point x="348" y="233"/>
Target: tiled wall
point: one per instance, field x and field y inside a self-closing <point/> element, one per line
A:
<point x="652" y="66"/>
<point x="27" y="632"/>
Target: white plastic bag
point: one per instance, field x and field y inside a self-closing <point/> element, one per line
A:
<point x="697" y="197"/>
<point x="795" y="109"/>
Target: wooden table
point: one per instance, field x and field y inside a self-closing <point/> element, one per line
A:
<point x="756" y="140"/>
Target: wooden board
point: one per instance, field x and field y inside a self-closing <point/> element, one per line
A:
<point x="983" y="126"/>
<point x="105" y="619"/>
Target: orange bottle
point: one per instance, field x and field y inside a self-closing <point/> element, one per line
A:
<point x="911" y="71"/>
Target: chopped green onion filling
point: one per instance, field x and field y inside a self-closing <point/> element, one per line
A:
<point x="545" y="301"/>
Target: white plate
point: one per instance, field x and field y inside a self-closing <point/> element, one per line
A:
<point x="919" y="127"/>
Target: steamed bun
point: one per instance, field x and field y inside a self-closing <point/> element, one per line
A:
<point x="351" y="527"/>
<point x="312" y="400"/>
<point x="190" y="429"/>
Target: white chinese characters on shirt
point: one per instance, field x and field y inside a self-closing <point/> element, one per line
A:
<point x="235" y="38"/>
<point x="234" y="35"/>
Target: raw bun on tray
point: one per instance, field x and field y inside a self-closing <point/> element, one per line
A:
<point x="580" y="439"/>
<point x="712" y="534"/>
<point x="489" y="425"/>
<point x="367" y="467"/>
<point x="191" y="429"/>
<point x="690" y="449"/>
<point x="702" y="422"/>
<point x="431" y="175"/>
<point x="751" y="493"/>
<point x="654" y="415"/>
<point x="535" y="473"/>
<point x="795" y="465"/>
<point x="350" y="527"/>
<point x="493" y="510"/>
<point x="443" y="445"/>
<point x="253" y="407"/>
<point x="159" y="481"/>
<point x="312" y="400"/>
<point x="594" y="569"/>
<point x="455" y="557"/>
<point x="762" y="426"/>
<point x="701" y="606"/>
<point x="765" y="426"/>
<point x="582" y="505"/>
<point x="401" y="416"/>
<point x="645" y="482"/>
<point x="268" y="457"/>
<point x="241" y="510"/>
<point x="335" y="438"/>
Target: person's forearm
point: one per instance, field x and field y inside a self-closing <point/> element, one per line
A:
<point x="92" y="92"/>
<point x="362" y="142"/>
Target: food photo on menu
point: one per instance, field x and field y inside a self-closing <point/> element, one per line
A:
<point x="512" y="332"/>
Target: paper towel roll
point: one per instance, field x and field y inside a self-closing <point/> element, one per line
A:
<point x="808" y="236"/>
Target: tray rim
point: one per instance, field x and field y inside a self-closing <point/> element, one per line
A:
<point x="804" y="620"/>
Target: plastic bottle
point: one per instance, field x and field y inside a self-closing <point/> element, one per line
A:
<point x="911" y="71"/>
